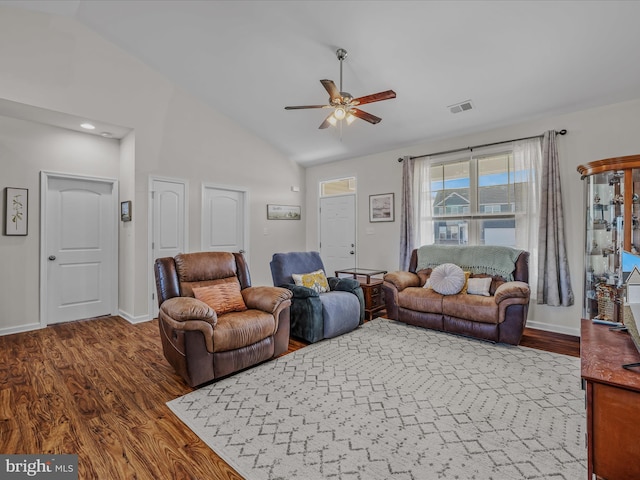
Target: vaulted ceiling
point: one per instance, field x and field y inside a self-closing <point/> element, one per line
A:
<point x="514" y="61"/>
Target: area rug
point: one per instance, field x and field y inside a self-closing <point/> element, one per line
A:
<point x="392" y="401"/>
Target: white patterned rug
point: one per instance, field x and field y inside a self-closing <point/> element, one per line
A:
<point x="389" y="400"/>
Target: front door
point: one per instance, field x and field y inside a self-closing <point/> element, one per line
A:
<point x="338" y="233"/>
<point x="79" y="247"/>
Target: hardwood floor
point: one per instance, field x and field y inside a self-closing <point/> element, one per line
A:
<point x="98" y="387"/>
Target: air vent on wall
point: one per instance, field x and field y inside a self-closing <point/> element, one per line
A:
<point x="461" y="107"/>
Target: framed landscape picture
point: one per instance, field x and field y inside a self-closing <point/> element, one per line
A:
<point x="283" y="212"/>
<point x="16" y="215"/>
<point x="381" y="208"/>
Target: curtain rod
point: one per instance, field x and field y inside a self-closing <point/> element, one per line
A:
<point x="561" y="132"/>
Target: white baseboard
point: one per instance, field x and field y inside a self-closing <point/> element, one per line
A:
<point x="20" y="329"/>
<point x="133" y="319"/>
<point x="554" y="328"/>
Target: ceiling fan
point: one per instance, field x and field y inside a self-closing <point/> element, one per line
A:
<point x="343" y="104"/>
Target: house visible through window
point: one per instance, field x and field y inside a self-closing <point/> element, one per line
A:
<point x="471" y="201"/>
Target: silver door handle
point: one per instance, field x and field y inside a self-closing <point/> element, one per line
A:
<point x="242" y="251"/>
<point x="52" y="257"/>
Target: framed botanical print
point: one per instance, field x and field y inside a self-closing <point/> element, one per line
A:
<point x="16" y="220"/>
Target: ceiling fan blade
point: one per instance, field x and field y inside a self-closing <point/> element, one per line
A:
<point x="374" y="97"/>
<point x="367" y="117"/>
<point x="326" y="123"/>
<point x="334" y="93"/>
<point x="300" y="107"/>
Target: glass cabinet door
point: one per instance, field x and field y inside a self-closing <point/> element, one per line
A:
<point x="612" y="237"/>
<point x="604" y="244"/>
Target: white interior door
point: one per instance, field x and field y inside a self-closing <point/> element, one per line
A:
<point x="224" y="219"/>
<point x="338" y="232"/>
<point x="169" y="224"/>
<point x="79" y="248"/>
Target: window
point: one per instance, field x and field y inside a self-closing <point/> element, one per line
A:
<point x="340" y="186"/>
<point x="474" y="200"/>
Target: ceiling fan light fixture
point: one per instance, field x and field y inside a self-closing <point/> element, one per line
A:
<point x="350" y="118"/>
<point x="340" y="113"/>
<point x="332" y="120"/>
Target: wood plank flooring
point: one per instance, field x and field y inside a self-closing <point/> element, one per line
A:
<point x="98" y="388"/>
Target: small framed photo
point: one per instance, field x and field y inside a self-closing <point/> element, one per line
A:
<point x="381" y="208"/>
<point x="125" y="211"/>
<point x="16" y="219"/>
<point x="283" y="212"/>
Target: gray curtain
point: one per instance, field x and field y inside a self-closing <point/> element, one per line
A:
<point x="554" y="281"/>
<point x="407" y="227"/>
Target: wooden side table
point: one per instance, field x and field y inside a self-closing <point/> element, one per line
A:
<point x="371" y="288"/>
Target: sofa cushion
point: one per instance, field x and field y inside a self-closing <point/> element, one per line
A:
<point x="420" y="300"/>
<point x="240" y="329"/>
<point x="471" y="307"/>
<point x="447" y="279"/>
<point x="223" y="297"/>
<point x="316" y="280"/>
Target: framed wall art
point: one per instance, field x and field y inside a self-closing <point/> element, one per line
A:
<point x="283" y="212"/>
<point x="381" y="208"/>
<point x="16" y="219"/>
<point x="125" y="211"/>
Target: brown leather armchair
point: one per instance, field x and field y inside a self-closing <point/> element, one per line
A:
<point x="202" y="344"/>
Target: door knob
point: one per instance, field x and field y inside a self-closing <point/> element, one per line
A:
<point x="52" y="257"/>
<point x="352" y="252"/>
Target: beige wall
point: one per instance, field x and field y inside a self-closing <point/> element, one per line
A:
<point x="26" y="148"/>
<point x="593" y="134"/>
<point x="57" y="64"/>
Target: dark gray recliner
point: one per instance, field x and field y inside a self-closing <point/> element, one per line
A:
<point x="315" y="316"/>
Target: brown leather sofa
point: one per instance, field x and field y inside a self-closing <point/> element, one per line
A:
<point x="500" y="317"/>
<point x="201" y="344"/>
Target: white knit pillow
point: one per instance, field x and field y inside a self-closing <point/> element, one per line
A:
<point x="447" y="279"/>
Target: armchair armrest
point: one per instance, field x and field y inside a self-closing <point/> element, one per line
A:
<point x="351" y="285"/>
<point x="182" y="309"/>
<point x="343" y="284"/>
<point x="299" y="291"/>
<point x="402" y="280"/>
<point x="188" y="314"/>
<point x="267" y="299"/>
<point x="513" y="290"/>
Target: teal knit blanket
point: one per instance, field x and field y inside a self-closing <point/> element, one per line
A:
<point x="488" y="259"/>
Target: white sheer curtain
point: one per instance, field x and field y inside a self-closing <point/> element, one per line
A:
<point x="423" y="201"/>
<point x="527" y="157"/>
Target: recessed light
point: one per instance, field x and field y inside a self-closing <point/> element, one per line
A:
<point x="106" y="134"/>
<point x="88" y="126"/>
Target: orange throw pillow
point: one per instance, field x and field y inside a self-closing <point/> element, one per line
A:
<point x="223" y="297"/>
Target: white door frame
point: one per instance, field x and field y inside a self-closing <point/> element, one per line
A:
<point x="151" y="290"/>
<point x="245" y="193"/>
<point x="44" y="287"/>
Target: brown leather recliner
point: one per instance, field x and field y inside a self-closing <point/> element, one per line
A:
<point x="203" y="345"/>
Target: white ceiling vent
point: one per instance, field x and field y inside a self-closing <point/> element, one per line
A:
<point x="461" y="107"/>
